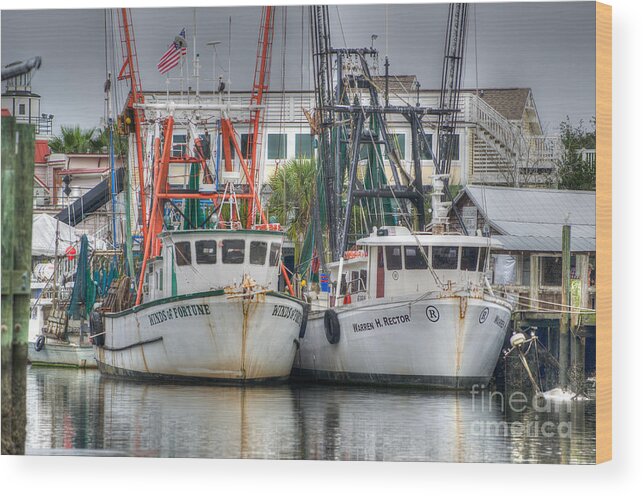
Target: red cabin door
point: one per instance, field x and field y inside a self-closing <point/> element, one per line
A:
<point x="380" y="273"/>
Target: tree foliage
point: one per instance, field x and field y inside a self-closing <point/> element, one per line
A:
<point x="101" y="142"/>
<point x="73" y="140"/>
<point x="574" y="171"/>
<point x="77" y="140"/>
<point x="293" y="189"/>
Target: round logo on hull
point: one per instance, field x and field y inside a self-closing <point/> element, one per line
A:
<point x="483" y="315"/>
<point x="432" y="313"/>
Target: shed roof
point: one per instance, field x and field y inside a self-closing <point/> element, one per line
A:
<point x="397" y="83"/>
<point x="531" y="219"/>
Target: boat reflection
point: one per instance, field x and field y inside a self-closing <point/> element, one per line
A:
<point x="80" y="412"/>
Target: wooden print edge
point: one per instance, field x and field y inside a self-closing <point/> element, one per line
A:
<point x="603" y="232"/>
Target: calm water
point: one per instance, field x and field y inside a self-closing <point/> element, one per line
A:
<point x="79" y="412"/>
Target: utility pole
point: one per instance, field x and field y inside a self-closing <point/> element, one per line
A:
<point x="564" y="313"/>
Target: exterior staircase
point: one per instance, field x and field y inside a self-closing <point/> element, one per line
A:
<point x="505" y="153"/>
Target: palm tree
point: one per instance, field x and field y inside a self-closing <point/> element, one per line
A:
<point x="293" y="189"/>
<point x="74" y="140"/>
<point x="101" y="142"/>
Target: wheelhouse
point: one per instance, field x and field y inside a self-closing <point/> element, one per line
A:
<point x="204" y="260"/>
<point x="396" y="262"/>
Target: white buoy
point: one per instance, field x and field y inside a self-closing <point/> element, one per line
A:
<point x="517" y="339"/>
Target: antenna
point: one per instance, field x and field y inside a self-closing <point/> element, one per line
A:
<point x="214" y="44"/>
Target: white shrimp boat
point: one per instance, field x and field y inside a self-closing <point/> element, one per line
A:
<point x="207" y="304"/>
<point x="403" y="317"/>
<point x="210" y="311"/>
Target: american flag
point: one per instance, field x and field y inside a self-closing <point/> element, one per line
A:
<point x="171" y="58"/>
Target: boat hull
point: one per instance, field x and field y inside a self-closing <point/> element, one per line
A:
<point x="204" y="336"/>
<point x="60" y="354"/>
<point x="448" y="342"/>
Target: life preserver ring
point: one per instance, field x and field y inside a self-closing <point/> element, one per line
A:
<point x="40" y="343"/>
<point x="331" y="326"/>
<point x="304" y="321"/>
<point x="96" y="334"/>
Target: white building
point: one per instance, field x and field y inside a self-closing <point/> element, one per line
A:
<point x="24" y="105"/>
<point x="500" y="139"/>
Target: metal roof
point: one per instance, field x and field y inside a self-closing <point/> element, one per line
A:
<point x="531" y="219"/>
<point x="543" y="243"/>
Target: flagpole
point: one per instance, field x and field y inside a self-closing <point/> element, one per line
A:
<point x="196" y="55"/>
<point x="229" y="53"/>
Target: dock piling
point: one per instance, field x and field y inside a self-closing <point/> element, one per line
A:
<point x="564" y="314"/>
<point x="17" y="212"/>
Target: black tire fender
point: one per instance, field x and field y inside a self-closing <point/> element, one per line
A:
<point x="96" y="328"/>
<point x="304" y="320"/>
<point x="40" y="343"/>
<point x="331" y="326"/>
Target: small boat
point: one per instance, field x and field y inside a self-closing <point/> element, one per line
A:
<point x="55" y="340"/>
<point x="210" y="311"/>
<point x="410" y="308"/>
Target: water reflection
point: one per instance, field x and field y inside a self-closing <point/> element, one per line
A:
<point x="76" y="412"/>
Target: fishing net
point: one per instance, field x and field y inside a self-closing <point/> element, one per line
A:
<point x="84" y="293"/>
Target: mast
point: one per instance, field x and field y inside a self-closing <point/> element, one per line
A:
<point x="259" y="88"/>
<point x="449" y="109"/>
<point x="129" y="70"/>
<point x="348" y="117"/>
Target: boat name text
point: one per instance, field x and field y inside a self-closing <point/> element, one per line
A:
<point x="383" y="322"/>
<point x="178" y="312"/>
<point x="287" y="313"/>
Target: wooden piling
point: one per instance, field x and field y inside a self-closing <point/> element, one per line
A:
<point x="17" y="212"/>
<point x="564" y="314"/>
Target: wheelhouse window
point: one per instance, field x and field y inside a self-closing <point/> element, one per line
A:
<point x="233" y="251"/>
<point x="354" y="285"/>
<point x="394" y="257"/>
<point x="414" y="258"/>
<point x="363" y="279"/>
<point x="258" y="250"/>
<point x="206" y="251"/>
<point x="445" y="257"/>
<point x="183" y="253"/>
<point x="275" y="253"/>
<point x="469" y="258"/>
<point x="483" y="259"/>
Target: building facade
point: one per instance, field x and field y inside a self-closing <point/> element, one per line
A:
<point x="500" y="139"/>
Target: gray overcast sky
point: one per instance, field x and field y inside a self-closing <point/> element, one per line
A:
<point x="548" y="47"/>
